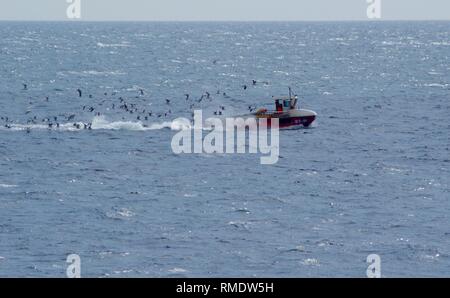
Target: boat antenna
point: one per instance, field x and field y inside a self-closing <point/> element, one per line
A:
<point x="290" y="93"/>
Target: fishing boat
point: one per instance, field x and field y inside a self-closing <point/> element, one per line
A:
<point x="287" y="113"/>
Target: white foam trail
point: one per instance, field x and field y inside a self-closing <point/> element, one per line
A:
<point x="100" y="123"/>
<point x="22" y="127"/>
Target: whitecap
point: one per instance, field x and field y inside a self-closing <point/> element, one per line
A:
<point x="436" y="85"/>
<point x="177" y="270"/>
<point x="186" y="195"/>
<point x="437" y="43"/>
<point x="281" y="72"/>
<point x="310" y="262"/>
<point x="91" y="73"/>
<point x="112" y="45"/>
<point x="7" y="185"/>
<point x="120" y="213"/>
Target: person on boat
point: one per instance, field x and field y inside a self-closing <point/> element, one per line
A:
<point x="278" y="106"/>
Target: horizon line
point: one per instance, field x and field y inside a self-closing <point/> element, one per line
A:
<point x="81" y="20"/>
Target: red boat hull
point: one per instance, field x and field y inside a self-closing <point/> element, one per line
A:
<point x="288" y="122"/>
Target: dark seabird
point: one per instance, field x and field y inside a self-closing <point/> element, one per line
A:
<point x="25" y="86"/>
<point x="254" y="82"/>
<point x="79" y="93"/>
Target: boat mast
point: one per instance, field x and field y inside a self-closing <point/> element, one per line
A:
<point x="293" y="100"/>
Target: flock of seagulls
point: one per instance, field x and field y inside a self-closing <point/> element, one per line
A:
<point x="120" y="105"/>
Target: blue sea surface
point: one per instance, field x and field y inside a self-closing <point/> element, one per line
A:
<point x="370" y="177"/>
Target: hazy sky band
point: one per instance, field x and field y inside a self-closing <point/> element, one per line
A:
<point x="224" y="10"/>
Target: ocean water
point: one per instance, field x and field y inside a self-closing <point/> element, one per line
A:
<point x="370" y="176"/>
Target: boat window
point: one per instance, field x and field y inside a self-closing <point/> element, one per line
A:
<point x="287" y="104"/>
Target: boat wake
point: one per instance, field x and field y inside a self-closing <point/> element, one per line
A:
<point x="98" y="123"/>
